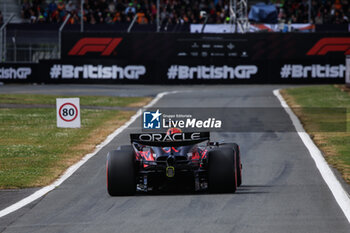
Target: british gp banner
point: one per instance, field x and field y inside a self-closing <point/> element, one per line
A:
<point x="18" y="73"/>
<point x="93" y="71"/>
<point x="177" y="58"/>
<point x="191" y="58"/>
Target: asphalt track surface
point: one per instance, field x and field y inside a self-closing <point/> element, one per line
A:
<point x="282" y="189"/>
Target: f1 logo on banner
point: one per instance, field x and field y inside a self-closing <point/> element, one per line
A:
<point x="331" y="44"/>
<point x="104" y="45"/>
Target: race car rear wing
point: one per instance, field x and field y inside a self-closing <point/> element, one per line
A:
<point x="164" y="140"/>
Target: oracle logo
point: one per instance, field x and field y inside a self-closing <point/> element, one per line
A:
<point x="331" y="44"/>
<point x="105" y="46"/>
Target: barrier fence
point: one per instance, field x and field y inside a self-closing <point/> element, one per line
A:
<point x="157" y="58"/>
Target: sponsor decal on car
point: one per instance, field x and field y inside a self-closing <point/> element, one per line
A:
<point x="176" y="137"/>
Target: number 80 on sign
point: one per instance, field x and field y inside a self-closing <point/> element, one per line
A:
<point x="68" y="112"/>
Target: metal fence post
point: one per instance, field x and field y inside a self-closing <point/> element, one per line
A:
<point x="309" y="11"/>
<point x="132" y="23"/>
<point x="1" y="45"/>
<point x="14" y="49"/>
<point x="158" y="22"/>
<point x="30" y="53"/>
<point x="5" y="45"/>
<point x="3" y="38"/>
<point x="205" y="22"/>
<point x="60" y="36"/>
<point x="81" y="15"/>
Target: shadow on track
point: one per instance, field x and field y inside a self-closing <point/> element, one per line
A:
<point x="243" y="189"/>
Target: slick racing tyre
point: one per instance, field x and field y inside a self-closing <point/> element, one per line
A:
<point x="235" y="147"/>
<point x="121" y="180"/>
<point x="222" y="171"/>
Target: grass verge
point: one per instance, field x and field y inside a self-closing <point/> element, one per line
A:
<point x="84" y="100"/>
<point x="335" y="144"/>
<point x="34" y="152"/>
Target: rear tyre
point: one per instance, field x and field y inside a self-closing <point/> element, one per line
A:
<point x="121" y="178"/>
<point x="222" y="171"/>
<point x="238" y="161"/>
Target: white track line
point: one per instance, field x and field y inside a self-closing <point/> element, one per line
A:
<point x="341" y="196"/>
<point x="70" y="171"/>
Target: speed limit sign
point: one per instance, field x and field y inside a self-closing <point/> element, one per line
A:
<point x="68" y="112"/>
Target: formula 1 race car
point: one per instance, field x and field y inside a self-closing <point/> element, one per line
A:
<point x="157" y="161"/>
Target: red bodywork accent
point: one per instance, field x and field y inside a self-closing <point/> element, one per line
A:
<point x="173" y="131"/>
<point x="197" y="154"/>
<point x="146" y="155"/>
<point x="168" y="151"/>
<point x="204" y="153"/>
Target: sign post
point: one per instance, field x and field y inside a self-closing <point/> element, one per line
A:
<point x="68" y="112"/>
<point x="347" y="72"/>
